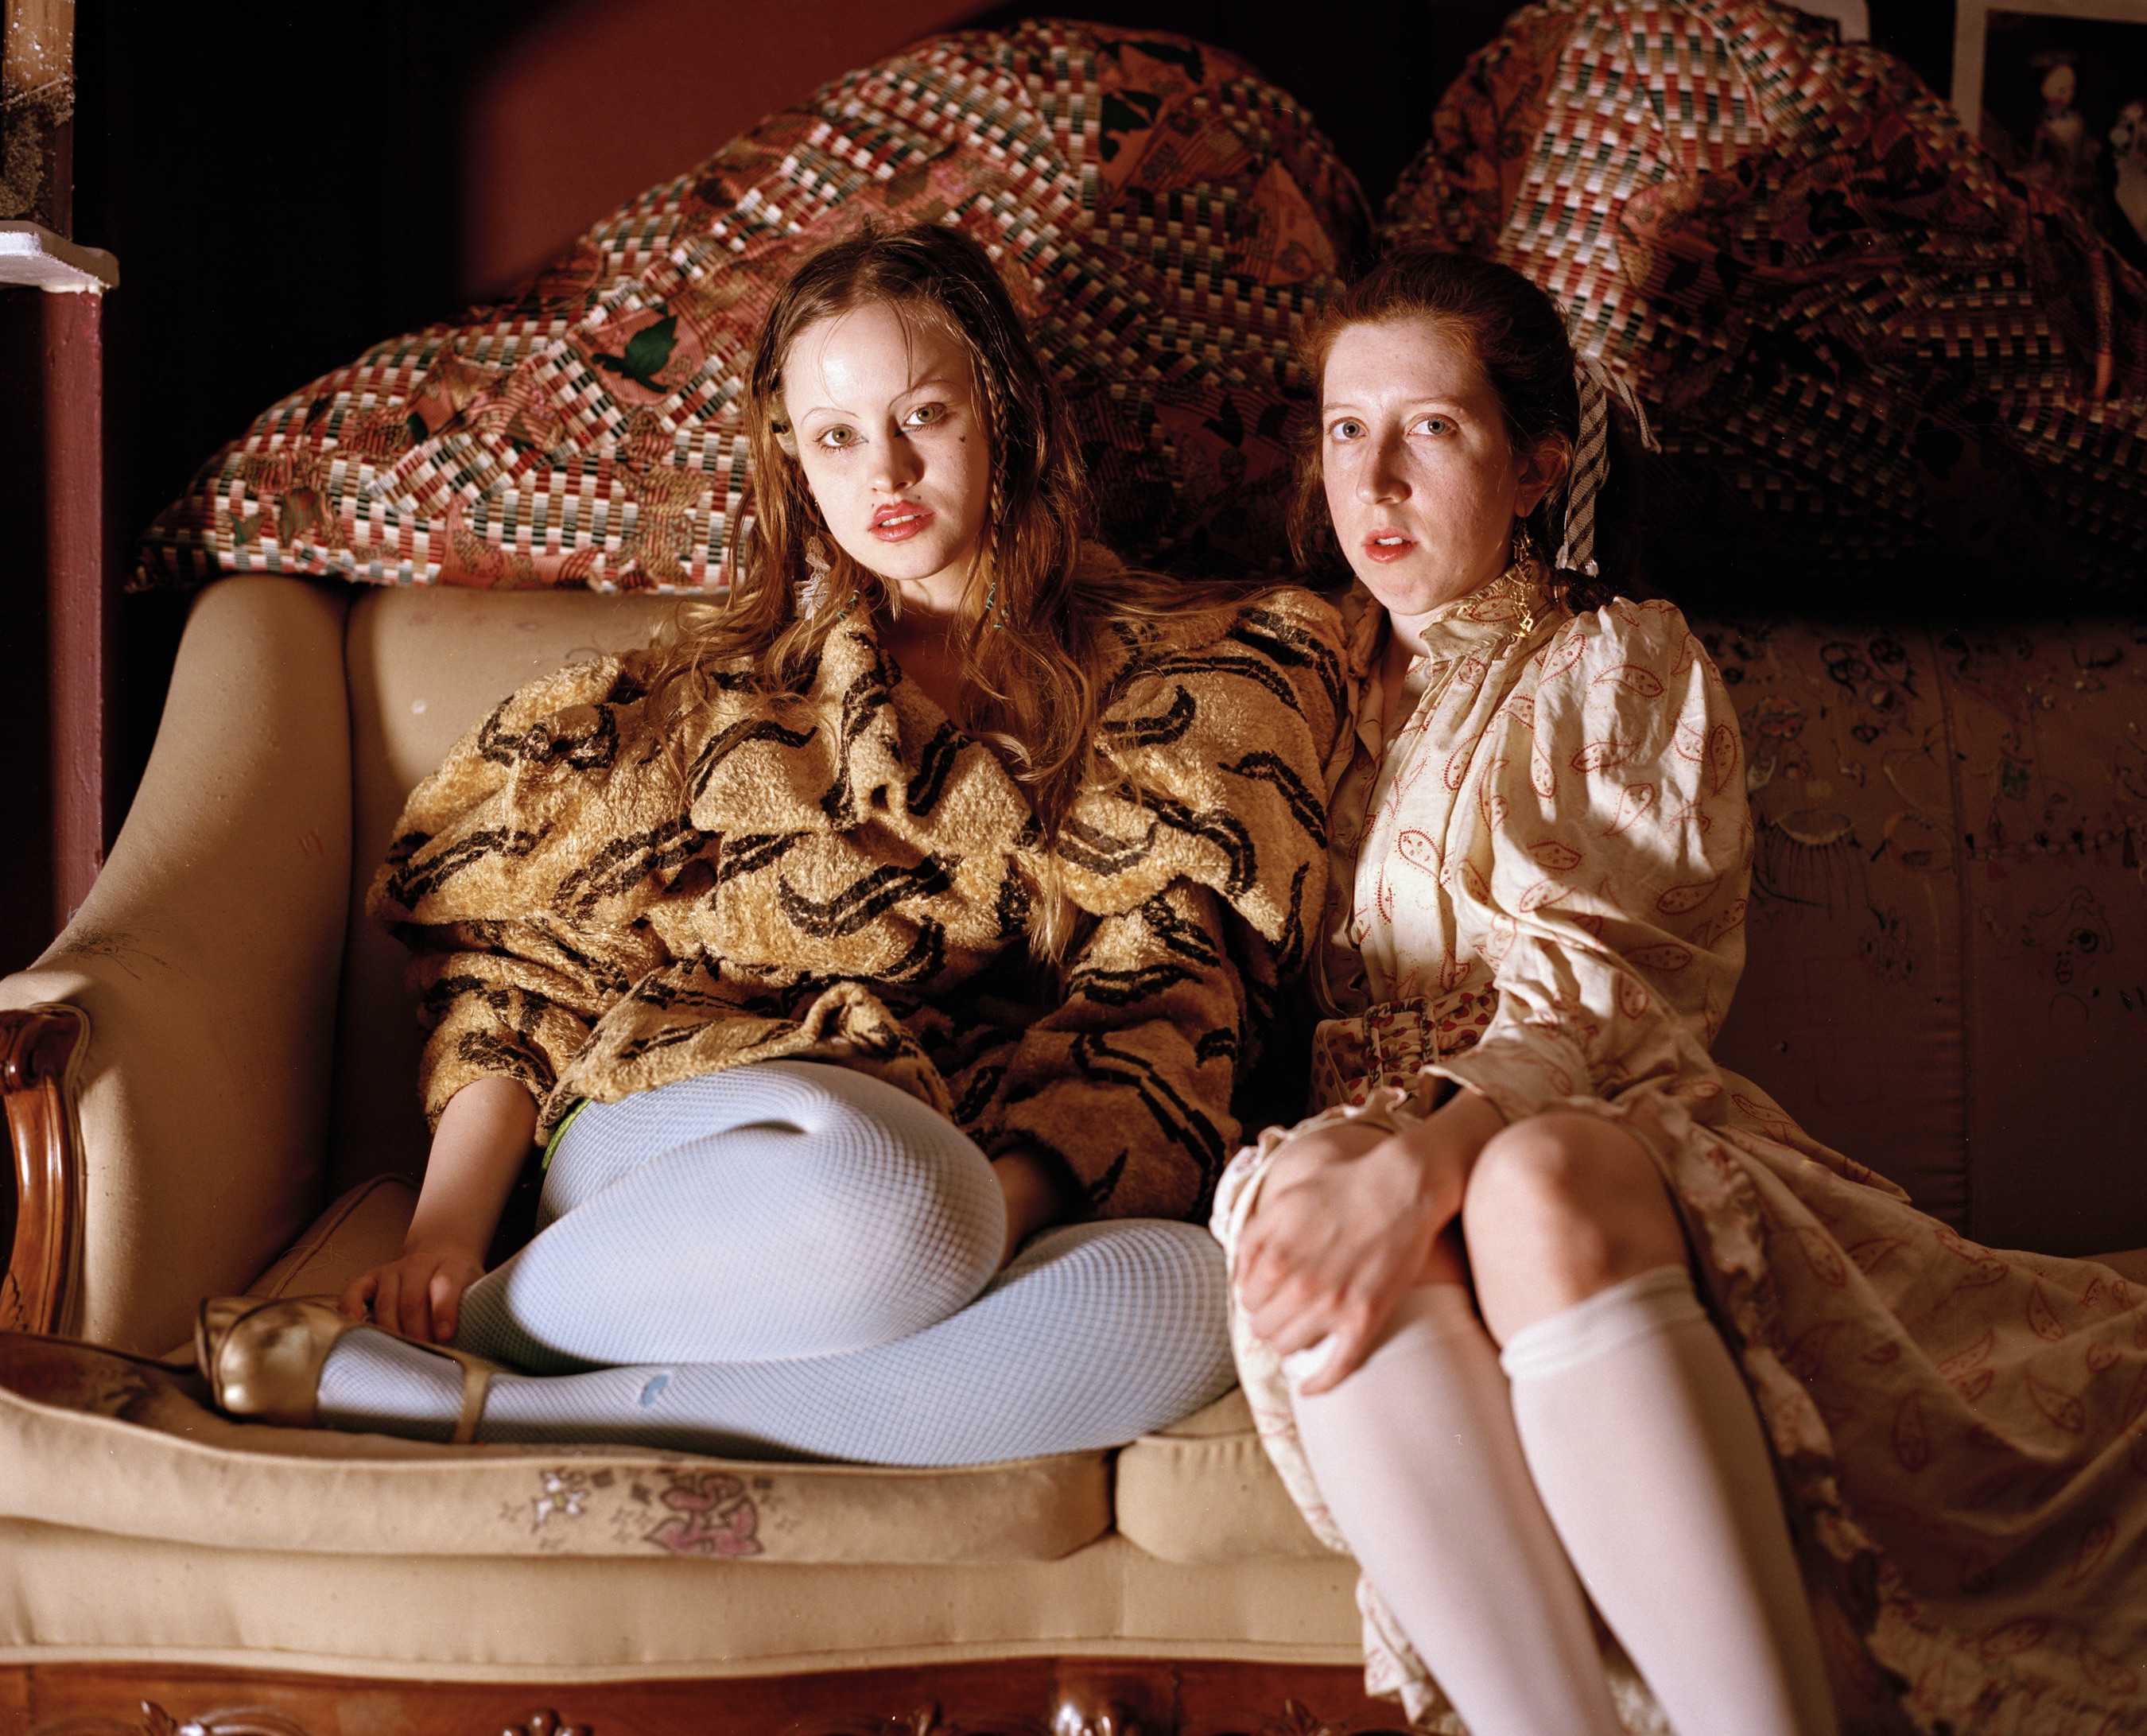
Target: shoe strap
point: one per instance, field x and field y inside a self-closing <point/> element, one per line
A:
<point x="476" y="1380"/>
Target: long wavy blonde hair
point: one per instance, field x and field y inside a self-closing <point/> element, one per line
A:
<point x="1032" y="672"/>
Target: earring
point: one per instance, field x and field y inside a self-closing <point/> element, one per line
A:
<point x="1523" y="565"/>
<point x="817" y="568"/>
<point x="1524" y="545"/>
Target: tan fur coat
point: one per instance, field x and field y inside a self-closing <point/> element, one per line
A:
<point x="843" y="875"/>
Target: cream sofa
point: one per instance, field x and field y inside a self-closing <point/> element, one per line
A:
<point x="247" y="1052"/>
<point x="219" y="1046"/>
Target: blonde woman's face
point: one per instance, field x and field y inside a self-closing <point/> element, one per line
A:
<point x="1422" y="483"/>
<point x="894" y="442"/>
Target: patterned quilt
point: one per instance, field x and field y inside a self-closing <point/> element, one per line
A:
<point x="1873" y="356"/>
<point x="1162" y="215"/>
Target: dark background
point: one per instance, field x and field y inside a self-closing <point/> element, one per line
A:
<point x="285" y="184"/>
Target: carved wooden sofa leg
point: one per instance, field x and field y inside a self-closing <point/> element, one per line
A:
<point x="41" y="1048"/>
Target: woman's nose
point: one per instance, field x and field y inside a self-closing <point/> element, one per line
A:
<point x="898" y="464"/>
<point x="1381" y="479"/>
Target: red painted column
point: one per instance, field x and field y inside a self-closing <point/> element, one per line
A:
<point x="79" y="595"/>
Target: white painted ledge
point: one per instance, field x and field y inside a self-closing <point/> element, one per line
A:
<point x="32" y="257"/>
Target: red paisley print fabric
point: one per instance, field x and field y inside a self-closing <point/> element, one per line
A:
<point x="1562" y="827"/>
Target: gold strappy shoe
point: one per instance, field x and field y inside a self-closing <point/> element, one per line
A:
<point x="262" y="1359"/>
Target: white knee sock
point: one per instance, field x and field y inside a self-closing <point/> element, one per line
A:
<point x="1417" y="1459"/>
<point x="1647" y="1450"/>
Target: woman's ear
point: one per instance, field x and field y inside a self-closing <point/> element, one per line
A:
<point x="1540" y="471"/>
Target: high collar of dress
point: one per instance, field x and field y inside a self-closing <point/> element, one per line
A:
<point x="1492" y="613"/>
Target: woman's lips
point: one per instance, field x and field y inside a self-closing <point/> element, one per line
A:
<point x="1384" y="546"/>
<point x="899" y="523"/>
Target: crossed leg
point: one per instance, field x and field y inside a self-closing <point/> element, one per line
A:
<point x="790" y="1260"/>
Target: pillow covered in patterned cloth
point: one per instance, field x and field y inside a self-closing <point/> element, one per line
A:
<point x="1863" y="341"/>
<point x="1161" y="215"/>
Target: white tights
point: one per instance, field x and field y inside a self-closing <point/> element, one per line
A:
<point x="793" y="1259"/>
<point x="1626" y="1445"/>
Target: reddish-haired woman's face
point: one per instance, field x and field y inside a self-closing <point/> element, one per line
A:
<point x="893" y="445"/>
<point x="1422" y="484"/>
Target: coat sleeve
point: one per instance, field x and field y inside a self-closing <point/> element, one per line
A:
<point x="518" y="877"/>
<point x="1606" y="868"/>
<point x="1202" y="864"/>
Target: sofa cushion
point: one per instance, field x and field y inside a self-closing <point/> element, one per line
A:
<point x="1204" y="1491"/>
<point x="110" y="1443"/>
<point x="363" y="1229"/>
<point x="1160" y="213"/>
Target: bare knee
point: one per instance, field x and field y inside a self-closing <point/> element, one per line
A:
<point x="1558" y="1208"/>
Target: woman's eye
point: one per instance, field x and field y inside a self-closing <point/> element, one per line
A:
<point x="1348" y="428"/>
<point x="1434" y="425"/>
<point x="924" y="415"/>
<point x="835" y="439"/>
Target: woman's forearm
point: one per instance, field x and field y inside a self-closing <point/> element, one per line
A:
<point x="1039" y="1193"/>
<point x="482" y="1140"/>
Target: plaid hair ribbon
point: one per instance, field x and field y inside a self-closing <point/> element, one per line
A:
<point x="1596" y="385"/>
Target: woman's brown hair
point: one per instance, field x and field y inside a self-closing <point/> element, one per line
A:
<point x="1038" y="617"/>
<point x="1516" y="334"/>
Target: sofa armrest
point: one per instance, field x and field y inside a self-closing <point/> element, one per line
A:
<point x="205" y="959"/>
<point x="41" y="1049"/>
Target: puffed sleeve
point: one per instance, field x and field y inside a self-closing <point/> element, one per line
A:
<point x="1203" y="864"/>
<point x="1608" y="848"/>
<point x="518" y="876"/>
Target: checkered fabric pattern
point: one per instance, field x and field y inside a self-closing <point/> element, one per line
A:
<point x="1162" y="216"/>
<point x="1860" y="339"/>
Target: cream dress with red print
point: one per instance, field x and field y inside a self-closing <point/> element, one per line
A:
<point x="1549" y="863"/>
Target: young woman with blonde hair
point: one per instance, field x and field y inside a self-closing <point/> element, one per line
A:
<point x="930" y="893"/>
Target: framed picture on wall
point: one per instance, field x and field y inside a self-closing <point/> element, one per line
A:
<point x="2057" y="92"/>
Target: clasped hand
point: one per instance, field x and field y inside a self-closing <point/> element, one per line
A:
<point x="1349" y="1219"/>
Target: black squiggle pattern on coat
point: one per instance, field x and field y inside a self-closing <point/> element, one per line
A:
<point x="1274" y="635"/>
<point x="584" y="750"/>
<point x="720" y="748"/>
<point x="934" y="763"/>
<point x="1179" y="935"/>
<point x="1159" y="730"/>
<point x="925" y="959"/>
<point x="624" y="862"/>
<point x="867" y="898"/>
<point x="1308" y="809"/>
<point x="1182" y="1123"/>
<point x="414" y="880"/>
<point x="751" y="852"/>
<point x="1110" y="988"/>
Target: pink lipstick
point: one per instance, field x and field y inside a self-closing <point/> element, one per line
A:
<point x="899" y="520"/>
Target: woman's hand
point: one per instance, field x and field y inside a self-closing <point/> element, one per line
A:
<point x="419" y="1294"/>
<point x="483" y="1139"/>
<point x="1349" y="1220"/>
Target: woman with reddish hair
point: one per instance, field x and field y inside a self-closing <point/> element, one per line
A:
<point x="1542" y="1300"/>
